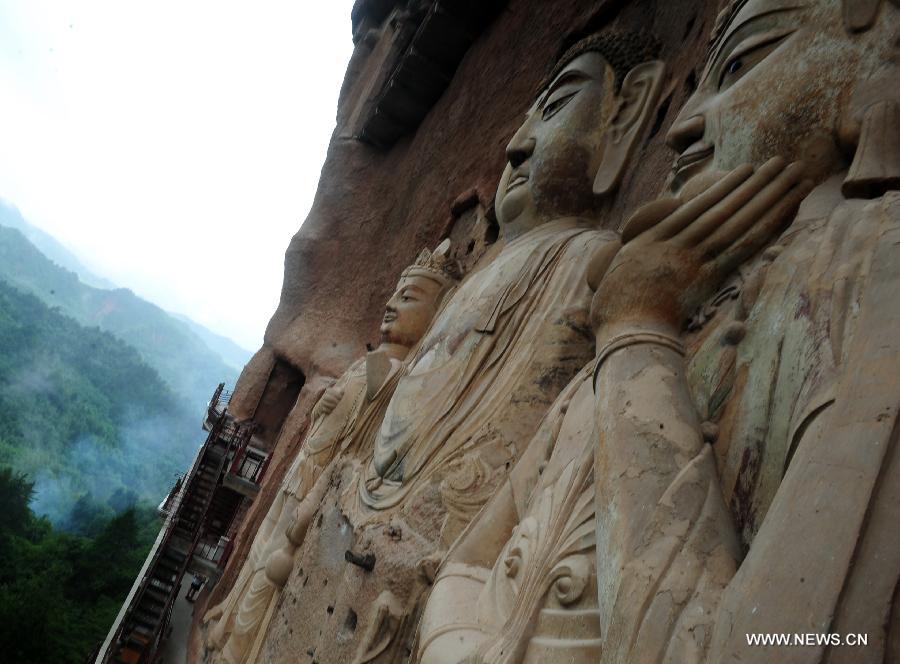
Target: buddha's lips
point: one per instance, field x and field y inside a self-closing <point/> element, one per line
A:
<point x="692" y="157"/>
<point x="516" y="181"/>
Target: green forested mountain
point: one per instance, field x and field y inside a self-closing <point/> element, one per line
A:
<point x="168" y="345"/>
<point x="83" y="415"/>
<point x="93" y="437"/>
<point x="101" y="399"/>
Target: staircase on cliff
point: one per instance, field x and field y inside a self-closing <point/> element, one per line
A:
<point x="199" y="516"/>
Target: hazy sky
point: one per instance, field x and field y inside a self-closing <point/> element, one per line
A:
<point x="173" y="145"/>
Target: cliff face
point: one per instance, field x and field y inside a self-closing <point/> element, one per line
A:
<point x="377" y="206"/>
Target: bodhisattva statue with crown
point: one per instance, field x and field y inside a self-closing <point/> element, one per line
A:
<point x="340" y="422"/>
<point x="734" y="400"/>
<point x="495" y="358"/>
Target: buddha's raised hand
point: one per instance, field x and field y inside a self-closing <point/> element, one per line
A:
<point x="676" y="252"/>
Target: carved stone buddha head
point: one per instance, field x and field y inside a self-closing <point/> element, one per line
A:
<point x="794" y="78"/>
<point x="418" y="296"/>
<point x="574" y="144"/>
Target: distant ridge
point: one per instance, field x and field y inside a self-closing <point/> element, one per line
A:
<point x="234" y="355"/>
<point x="84" y="416"/>
<point x="230" y="352"/>
<point x="170" y="345"/>
<point x="50" y="246"/>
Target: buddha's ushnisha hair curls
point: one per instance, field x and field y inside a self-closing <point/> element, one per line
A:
<point x="623" y="50"/>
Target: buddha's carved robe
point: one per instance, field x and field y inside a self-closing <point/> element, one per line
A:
<point x="808" y="437"/>
<point x="538" y="602"/>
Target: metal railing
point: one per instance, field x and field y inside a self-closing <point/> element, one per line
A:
<point x="219" y="402"/>
<point x="113" y="641"/>
<point x="233" y="438"/>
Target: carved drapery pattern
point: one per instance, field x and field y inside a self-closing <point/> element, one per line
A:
<point x="548" y="561"/>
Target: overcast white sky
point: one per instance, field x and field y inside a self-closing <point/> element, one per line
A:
<point x="173" y="145"/>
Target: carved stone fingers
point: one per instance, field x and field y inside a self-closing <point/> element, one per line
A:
<point x="741" y="217"/>
<point x="764" y="230"/>
<point x="647" y="216"/>
<point x="693" y="209"/>
<point x="724" y="212"/>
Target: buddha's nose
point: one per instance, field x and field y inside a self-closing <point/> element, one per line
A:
<point x="521" y="147"/>
<point x="684" y="133"/>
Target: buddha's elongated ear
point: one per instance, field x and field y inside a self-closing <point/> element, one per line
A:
<point x="635" y="107"/>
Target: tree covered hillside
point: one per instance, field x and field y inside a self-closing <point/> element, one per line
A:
<point x="168" y="345"/>
<point x="83" y="416"/>
<point x="60" y="592"/>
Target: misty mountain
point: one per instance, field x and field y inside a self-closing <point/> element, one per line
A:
<point x="169" y="345"/>
<point x="49" y="246"/>
<point x="231" y="353"/>
<point x="235" y="356"/>
<point x="83" y="415"/>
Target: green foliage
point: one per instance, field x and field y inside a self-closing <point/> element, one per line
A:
<point x="59" y="593"/>
<point x="15" y="494"/>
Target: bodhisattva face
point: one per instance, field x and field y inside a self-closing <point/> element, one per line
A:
<point x="555" y="154"/>
<point x="410" y="310"/>
<point x="786" y="79"/>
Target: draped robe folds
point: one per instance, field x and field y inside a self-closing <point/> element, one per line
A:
<point x="538" y="602"/>
<point x="242" y="622"/>
<point x="665" y="554"/>
<point x="810" y="460"/>
<point x="504" y="344"/>
<point x="492" y="363"/>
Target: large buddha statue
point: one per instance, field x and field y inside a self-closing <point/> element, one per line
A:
<point x="514" y="333"/>
<point x="340" y="421"/>
<point x="725" y="465"/>
<point x="507" y="341"/>
<point x="794" y="365"/>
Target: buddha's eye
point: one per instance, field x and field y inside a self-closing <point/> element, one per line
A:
<point x="553" y="106"/>
<point x="746" y="57"/>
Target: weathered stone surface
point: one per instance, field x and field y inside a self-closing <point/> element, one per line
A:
<point x="399" y="200"/>
<point x="341" y="423"/>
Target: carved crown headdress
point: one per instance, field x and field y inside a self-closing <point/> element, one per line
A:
<point x="435" y="265"/>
